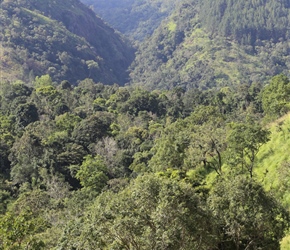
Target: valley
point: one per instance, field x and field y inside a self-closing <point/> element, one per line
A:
<point x="144" y="124"/>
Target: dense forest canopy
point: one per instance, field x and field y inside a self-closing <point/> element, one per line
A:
<point x="247" y="21"/>
<point x="192" y="153"/>
<point x="86" y="166"/>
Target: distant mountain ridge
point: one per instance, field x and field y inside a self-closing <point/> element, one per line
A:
<point x="62" y="38"/>
<point x="135" y="18"/>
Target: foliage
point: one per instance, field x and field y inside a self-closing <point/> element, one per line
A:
<point x="244" y="142"/>
<point x="247" y="215"/>
<point x="122" y="167"/>
<point x="190" y="164"/>
<point x="48" y="37"/>
<point x="92" y="173"/>
<point x="275" y="96"/>
<point x="135" y="18"/>
<point x="248" y="21"/>
<point x="151" y="213"/>
<point x="215" y="44"/>
<point x="17" y="231"/>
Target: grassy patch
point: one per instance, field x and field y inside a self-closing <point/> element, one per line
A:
<point x="273" y="158"/>
<point x="285" y="243"/>
<point x="41" y="18"/>
<point x="171" y="26"/>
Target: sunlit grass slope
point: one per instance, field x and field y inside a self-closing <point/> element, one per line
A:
<point x="273" y="164"/>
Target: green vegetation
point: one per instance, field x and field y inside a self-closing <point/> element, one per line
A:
<point x="273" y="160"/>
<point x="138" y="19"/>
<point x="96" y="166"/>
<point x="48" y="37"/>
<point x="198" y="162"/>
<point x="215" y="44"/>
<point x="247" y="22"/>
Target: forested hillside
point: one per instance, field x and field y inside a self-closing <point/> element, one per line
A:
<point x="247" y="21"/>
<point x="107" y="167"/>
<point x="138" y="19"/>
<point x="208" y="44"/>
<point x="61" y="38"/>
<point x="191" y="154"/>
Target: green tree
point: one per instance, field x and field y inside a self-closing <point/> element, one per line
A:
<point x="170" y="149"/>
<point x="92" y="128"/>
<point x="245" y="215"/>
<point x="67" y="122"/>
<point x="25" y="114"/>
<point x="42" y="81"/>
<point x="151" y="213"/>
<point x="92" y="65"/>
<point x="93" y="173"/>
<point x="26" y="157"/>
<point x="207" y="139"/>
<point x="276" y="96"/>
<point x="19" y="231"/>
<point x="244" y="141"/>
<point x="140" y="100"/>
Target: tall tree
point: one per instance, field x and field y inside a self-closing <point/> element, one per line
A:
<point x="276" y="96"/>
<point x="244" y="141"/>
<point x="246" y="216"/>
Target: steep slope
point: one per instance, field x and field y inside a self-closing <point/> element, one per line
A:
<point x="273" y="165"/>
<point x="273" y="160"/>
<point x="137" y="19"/>
<point x="247" y="21"/>
<point x="203" y="44"/>
<point x="62" y="38"/>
